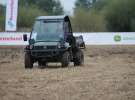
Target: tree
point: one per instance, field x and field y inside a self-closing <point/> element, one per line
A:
<point x="84" y="4"/>
<point x="120" y="16"/>
<point x="88" y="21"/>
<point x="27" y="15"/>
<point x="58" y="9"/>
<point x="2" y="17"/>
<point x="101" y="4"/>
<point x="86" y="18"/>
<point x="52" y="7"/>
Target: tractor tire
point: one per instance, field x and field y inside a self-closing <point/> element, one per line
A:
<point x="79" y="58"/>
<point x="65" y="59"/>
<point x="28" y="61"/>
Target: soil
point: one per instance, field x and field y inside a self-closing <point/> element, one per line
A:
<point x="108" y="74"/>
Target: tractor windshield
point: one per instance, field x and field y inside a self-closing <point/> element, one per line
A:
<point x="47" y="30"/>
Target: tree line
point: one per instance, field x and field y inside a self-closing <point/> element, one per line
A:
<point x="88" y="16"/>
<point x="104" y="15"/>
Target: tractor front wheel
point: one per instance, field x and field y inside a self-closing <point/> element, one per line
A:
<point x="65" y="59"/>
<point x="28" y="61"/>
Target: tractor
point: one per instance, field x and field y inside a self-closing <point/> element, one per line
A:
<point x="52" y="40"/>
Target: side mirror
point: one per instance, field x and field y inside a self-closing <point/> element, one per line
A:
<point x="31" y="41"/>
<point x="25" y="37"/>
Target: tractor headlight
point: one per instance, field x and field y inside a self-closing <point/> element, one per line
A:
<point x="31" y="47"/>
<point x="60" y="45"/>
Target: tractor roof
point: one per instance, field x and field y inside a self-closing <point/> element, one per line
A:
<point x="64" y="17"/>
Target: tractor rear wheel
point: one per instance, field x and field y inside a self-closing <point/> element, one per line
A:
<point x="79" y="58"/>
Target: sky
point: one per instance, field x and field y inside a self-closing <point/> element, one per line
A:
<point x="67" y="4"/>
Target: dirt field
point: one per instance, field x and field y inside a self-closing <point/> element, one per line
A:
<point x="108" y="74"/>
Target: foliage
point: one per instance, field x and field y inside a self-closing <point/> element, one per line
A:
<point x="52" y="7"/>
<point x="120" y="16"/>
<point x="101" y="4"/>
<point x="90" y="21"/>
<point x="86" y="18"/>
<point x="84" y="4"/>
<point x="114" y="15"/>
<point x="26" y="15"/>
<point x="2" y="17"/>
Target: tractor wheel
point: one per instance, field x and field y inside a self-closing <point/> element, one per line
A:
<point x="65" y="59"/>
<point x="79" y="58"/>
<point x="28" y="61"/>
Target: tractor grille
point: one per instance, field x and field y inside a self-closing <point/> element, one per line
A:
<point x="44" y="47"/>
<point x="38" y="47"/>
<point x="40" y="54"/>
<point x="51" y="47"/>
<point x="44" y="54"/>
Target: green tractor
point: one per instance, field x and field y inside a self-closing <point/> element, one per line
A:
<point x="52" y="40"/>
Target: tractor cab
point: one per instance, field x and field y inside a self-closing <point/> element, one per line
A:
<point x="51" y="29"/>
